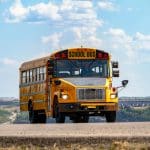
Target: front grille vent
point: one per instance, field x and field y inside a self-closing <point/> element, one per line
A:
<point x="90" y="94"/>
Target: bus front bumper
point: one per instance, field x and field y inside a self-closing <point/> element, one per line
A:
<point x="87" y="107"/>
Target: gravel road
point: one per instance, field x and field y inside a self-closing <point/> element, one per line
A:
<point x="87" y="132"/>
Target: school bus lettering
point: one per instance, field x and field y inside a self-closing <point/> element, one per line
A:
<point x="77" y="54"/>
<point x="75" y="82"/>
<point x="81" y="54"/>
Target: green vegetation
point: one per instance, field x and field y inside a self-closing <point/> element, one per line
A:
<point x="22" y="117"/>
<point x="116" y="145"/>
<point x="4" y="115"/>
<point x="134" y="114"/>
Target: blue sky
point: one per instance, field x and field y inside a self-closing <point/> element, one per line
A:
<point x="31" y="29"/>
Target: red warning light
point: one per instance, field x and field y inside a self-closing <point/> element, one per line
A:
<point x="61" y="55"/>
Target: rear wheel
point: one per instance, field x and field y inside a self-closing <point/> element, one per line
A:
<point x="33" y="116"/>
<point x="36" y="116"/>
<point x="41" y="116"/>
<point x="32" y="113"/>
<point x="110" y="116"/>
<point x="59" y="116"/>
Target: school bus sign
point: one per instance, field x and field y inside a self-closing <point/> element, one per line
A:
<point x="82" y="53"/>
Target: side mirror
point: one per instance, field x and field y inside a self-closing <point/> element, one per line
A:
<point x="124" y="83"/>
<point x="115" y="73"/>
<point x="115" y="64"/>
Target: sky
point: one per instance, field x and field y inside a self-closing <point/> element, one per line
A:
<point x="32" y="29"/>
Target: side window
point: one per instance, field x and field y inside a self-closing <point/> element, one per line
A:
<point x="34" y="75"/>
<point x="23" y="77"/>
<point x="38" y="74"/>
<point x="42" y="75"/>
<point x="31" y="78"/>
<point x="27" y="76"/>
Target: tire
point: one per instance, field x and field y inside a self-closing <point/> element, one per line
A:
<point x="41" y="116"/>
<point x="110" y="116"/>
<point x="36" y="116"/>
<point x="33" y="116"/>
<point x="59" y="116"/>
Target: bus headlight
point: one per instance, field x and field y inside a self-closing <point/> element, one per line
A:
<point x="112" y="96"/>
<point x="65" y="96"/>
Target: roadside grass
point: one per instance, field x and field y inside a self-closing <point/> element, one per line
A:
<point x="133" y="114"/>
<point x="22" y="117"/>
<point x="4" y="115"/>
<point x="116" y="145"/>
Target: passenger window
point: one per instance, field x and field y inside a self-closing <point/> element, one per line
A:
<point x="27" y="76"/>
<point x="24" y="77"/>
<point x="38" y="74"/>
<point x="34" y="75"/>
<point x="31" y="78"/>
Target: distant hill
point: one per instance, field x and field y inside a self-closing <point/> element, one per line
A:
<point x="6" y="99"/>
<point x="130" y="110"/>
<point x="135" y="98"/>
<point x="12" y="101"/>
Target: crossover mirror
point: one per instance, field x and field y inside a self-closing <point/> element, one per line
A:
<point x="124" y="83"/>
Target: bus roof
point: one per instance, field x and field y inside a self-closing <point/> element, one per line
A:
<point x="34" y="63"/>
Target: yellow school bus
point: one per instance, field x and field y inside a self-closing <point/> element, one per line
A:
<point x="75" y="82"/>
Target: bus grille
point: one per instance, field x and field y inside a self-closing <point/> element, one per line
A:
<point x="90" y="94"/>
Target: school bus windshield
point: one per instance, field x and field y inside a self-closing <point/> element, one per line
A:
<point x="82" y="68"/>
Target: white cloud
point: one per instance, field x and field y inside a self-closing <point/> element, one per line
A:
<point x="17" y="12"/>
<point x="119" y="35"/>
<point x="52" y="40"/>
<point x="142" y="37"/>
<point x="143" y="41"/>
<point x="35" y="13"/>
<point x="9" y="61"/>
<point x="45" y="10"/>
<point x="67" y="13"/>
<point x="122" y="43"/>
<point x="134" y="48"/>
<point x="85" y="37"/>
<point x="71" y="4"/>
<point x="106" y="5"/>
<point x="79" y="13"/>
<point x="80" y="24"/>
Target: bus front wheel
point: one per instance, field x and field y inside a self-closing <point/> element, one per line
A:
<point x="110" y="116"/>
<point x="59" y="116"/>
